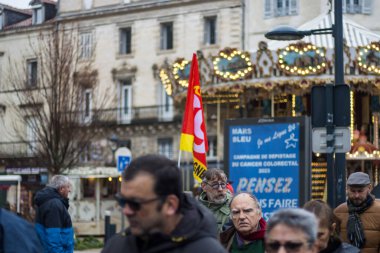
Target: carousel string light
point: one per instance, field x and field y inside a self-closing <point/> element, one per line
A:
<point x="179" y="69"/>
<point x="232" y="64"/>
<point x="166" y="82"/>
<point x="369" y="57"/>
<point x="293" y="58"/>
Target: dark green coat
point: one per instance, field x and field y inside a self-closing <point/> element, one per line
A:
<point x="221" y="211"/>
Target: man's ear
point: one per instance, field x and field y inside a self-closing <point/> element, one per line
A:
<point x="203" y="185"/>
<point x="171" y="205"/>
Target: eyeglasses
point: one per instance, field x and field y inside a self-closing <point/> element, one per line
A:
<point x="289" y="246"/>
<point x="133" y="204"/>
<point x="216" y="186"/>
<point x="236" y="213"/>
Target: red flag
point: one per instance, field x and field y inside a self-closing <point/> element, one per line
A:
<point x="193" y="135"/>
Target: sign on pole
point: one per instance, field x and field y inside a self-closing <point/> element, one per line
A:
<point x="123" y="157"/>
<point x="270" y="158"/>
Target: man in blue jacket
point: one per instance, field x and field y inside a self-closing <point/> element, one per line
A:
<point x="17" y="235"/>
<point x="53" y="222"/>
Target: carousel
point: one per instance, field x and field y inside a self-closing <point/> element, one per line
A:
<point x="276" y="81"/>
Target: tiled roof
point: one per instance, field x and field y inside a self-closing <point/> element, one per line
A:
<point x="24" y="23"/>
<point x="354" y="34"/>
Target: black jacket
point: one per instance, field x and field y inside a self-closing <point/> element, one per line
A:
<point x="335" y="245"/>
<point x="17" y="235"/>
<point x="195" y="233"/>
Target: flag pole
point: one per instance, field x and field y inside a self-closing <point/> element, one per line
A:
<point x="179" y="158"/>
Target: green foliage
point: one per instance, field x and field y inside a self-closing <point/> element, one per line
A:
<point x="88" y="243"/>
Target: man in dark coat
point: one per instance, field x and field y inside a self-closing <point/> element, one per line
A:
<point x="17" y="235"/>
<point x="247" y="232"/>
<point x="53" y="222"/>
<point x="161" y="217"/>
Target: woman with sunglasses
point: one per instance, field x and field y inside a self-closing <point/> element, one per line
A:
<point x="328" y="240"/>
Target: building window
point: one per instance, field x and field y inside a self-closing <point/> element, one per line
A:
<point x="85" y="45"/>
<point x="32" y="73"/>
<point x="87" y="105"/>
<point x="125" y="40"/>
<point x="85" y="155"/>
<point x="31" y="134"/>
<point x="125" y="101"/>
<point x="165" y="147"/>
<point x="278" y="8"/>
<point x="166" y="108"/>
<point x="357" y="6"/>
<point x="1" y="21"/>
<point x="166" y="36"/>
<point x="209" y="30"/>
<point x="212" y="147"/>
<point x="38" y="15"/>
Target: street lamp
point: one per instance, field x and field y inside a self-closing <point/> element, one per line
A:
<point x="336" y="163"/>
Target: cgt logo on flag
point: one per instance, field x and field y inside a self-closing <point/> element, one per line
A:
<point x="193" y="135"/>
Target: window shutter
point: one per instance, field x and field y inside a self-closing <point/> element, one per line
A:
<point x="366" y="6"/>
<point x="293" y="7"/>
<point x="268" y="8"/>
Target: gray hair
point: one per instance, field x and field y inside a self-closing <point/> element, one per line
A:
<point x="59" y="181"/>
<point x="210" y="174"/>
<point x="253" y="197"/>
<point x="295" y="218"/>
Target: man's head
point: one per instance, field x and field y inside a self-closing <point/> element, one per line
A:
<point x="327" y="222"/>
<point x="214" y="184"/>
<point x="245" y="213"/>
<point x="358" y="187"/>
<point x="291" y="230"/>
<point x="151" y="194"/>
<point x="61" y="184"/>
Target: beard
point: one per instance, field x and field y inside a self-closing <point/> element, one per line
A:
<point x="219" y="199"/>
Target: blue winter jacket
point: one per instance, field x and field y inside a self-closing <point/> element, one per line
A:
<point x="53" y="222"/>
<point x="17" y="235"/>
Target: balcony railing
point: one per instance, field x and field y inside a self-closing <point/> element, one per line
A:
<point x="17" y="149"/>
<point x="134" y="115"/>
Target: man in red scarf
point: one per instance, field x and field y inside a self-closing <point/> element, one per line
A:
<point x="247" y="233"/>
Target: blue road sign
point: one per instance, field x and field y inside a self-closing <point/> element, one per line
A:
<point x="122" y="162"/>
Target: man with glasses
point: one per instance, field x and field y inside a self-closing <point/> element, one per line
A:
<point x="291" y="231"/>
<point x="247" y="233"/>
<point x="215" y="196"/>
<point x="161" y="217"/>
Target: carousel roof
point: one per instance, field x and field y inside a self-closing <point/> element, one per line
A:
<point x="353" y="33"/>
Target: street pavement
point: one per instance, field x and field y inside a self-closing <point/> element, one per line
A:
<point x="88" y="251"/>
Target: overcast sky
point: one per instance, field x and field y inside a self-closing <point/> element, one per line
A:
<point x="16" y="3"/>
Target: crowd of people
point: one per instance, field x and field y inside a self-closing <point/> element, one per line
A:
<point x="162" y="218"/>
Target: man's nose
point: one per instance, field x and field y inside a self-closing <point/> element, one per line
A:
<point x="281" y="249"/>
<point x="127" y="211"/>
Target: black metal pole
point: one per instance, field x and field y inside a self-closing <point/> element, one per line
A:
<point x="330" y="142"/>
<point x="340" y="158"/>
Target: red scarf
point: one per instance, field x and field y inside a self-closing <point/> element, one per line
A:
<point x="257" y="235"/>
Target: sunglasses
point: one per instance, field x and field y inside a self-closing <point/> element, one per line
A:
<point x="290" y="247"/>
<point x="133" y="204"/>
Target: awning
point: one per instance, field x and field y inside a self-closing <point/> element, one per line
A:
<point x="354" y="34"/>
<point x="92" y="172"/>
